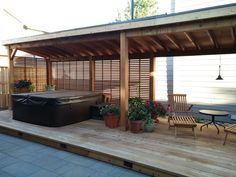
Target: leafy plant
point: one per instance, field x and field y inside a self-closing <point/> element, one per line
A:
<point x="110" y="109"/>
<point x="198" y="120"/>
<point x="149" y="120"/>
<point x="31" y="88"/>
<point x="49" y="87"/>
<point x="155" y="108"/>
<point x="24" y="84"/>
<point x="137" y="109"/>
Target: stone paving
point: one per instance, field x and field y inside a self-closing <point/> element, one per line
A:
<point x="22" y="158"/>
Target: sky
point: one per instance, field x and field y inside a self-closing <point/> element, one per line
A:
<point x="57" y="15"/>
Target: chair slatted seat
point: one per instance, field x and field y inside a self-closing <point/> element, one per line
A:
<point x="230" y="129"/>
<point x="184" y="122"/>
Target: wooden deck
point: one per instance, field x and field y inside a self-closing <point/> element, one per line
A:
<point x="157" y="154"/>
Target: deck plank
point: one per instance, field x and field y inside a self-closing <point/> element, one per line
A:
<point x="160" y="151"/>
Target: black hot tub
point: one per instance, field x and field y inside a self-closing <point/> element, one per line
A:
<point x="54" y="108"/>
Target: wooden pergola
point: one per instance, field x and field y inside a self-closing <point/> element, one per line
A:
<point x="198" y="32"/>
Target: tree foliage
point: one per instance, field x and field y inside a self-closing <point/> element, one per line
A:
<point x="142" y="8"/>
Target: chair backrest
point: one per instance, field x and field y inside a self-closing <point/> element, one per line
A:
<point x="107" y="97"/>
<point x="177" y="103"/>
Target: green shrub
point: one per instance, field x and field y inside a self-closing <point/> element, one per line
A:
<point x="110" y="109"/>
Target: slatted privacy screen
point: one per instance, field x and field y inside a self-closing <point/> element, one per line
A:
<point x="145" y="78"/>
<point x="41" y="76"/>
<point x="75" y="75"/>
<point x="71" y="75"/>
<point x="33" y="69"/>
<point x="115" y="78"/>
<point x="107" y="78"/>
<point x="4" y="85"/>
<point x="139" y="78"/>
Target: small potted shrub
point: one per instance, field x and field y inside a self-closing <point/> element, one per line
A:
<point x="23" y="86"/>
<point x="111" y="115"/>
<point x="50" y="87"/>
<point x="137" y="113"/>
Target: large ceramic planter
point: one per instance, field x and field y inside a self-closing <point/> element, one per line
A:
<point x="149" y="127"/>
<point x="111" y="120"/>
<point x="136" y="126"/>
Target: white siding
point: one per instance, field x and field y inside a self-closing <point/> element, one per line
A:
<point x="196" y="76"/>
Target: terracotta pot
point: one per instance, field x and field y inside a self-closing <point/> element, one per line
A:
<point x="111" y="120"/>
<point x="136" y="126"/>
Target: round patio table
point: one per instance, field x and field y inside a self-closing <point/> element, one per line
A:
<point x="213" y="113"/>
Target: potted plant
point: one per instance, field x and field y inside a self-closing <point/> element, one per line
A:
<point x="111" y="115"/>
<point x="149" y="124"/>
<point x="23" y="86"/>
<point x="50" y="87"/>
<point x="137" y="113"/>
<point x="155" y="108"/>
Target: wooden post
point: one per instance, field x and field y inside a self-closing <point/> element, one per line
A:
<point x="10" y="74"/>
<point x="49" y="72"/>
<point x="152" y="79"/>
<point x="124" y="70"/>
<point x="92" y="74"/>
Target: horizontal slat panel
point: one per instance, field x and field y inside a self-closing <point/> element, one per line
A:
<point x="33" y="69"/>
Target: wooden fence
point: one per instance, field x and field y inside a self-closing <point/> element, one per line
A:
<point x="4" y="91"/>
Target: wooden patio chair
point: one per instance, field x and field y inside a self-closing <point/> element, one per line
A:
<point x="177" y="104"/>
<point x="230" y="129"/>
<point x="179" y="113"/>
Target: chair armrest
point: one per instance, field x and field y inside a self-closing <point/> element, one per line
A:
<point x="189" y="107"/>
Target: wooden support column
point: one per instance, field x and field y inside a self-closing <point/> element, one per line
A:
<point x="49" y="72"/>
<point x="92" y="74"/>
<point x="11" y="55"/>
<point x="152" y="79"/>
<point x="124" y="70"/>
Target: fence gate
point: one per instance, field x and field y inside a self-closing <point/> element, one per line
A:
<point x="4" y="91"/>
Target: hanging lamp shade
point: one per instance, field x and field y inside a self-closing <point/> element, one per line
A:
<point x="219" y="77"/>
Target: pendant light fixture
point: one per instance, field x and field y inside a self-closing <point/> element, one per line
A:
<point x="219" y="76"/>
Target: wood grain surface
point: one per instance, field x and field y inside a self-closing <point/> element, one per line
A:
<point x="156" y="154"/>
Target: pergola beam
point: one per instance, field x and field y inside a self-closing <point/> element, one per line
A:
<point x="141" y="44"/>
<point x="11" y="55"/>
<point x="124" y="85"/>
<point x="92" y="74"/>
<point x="212" y="38"/>
<point x="156" y="41"/>
<point x="144" y="44"/>
<point x="152" y="78"/>
<point x="49" y="72"/>
<point x="69" y="40"/>
<point x="184" y="27"/>
<point x="232" y="32"/>
<point x="193" y="42"/>
<point x="174" y="41"/>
